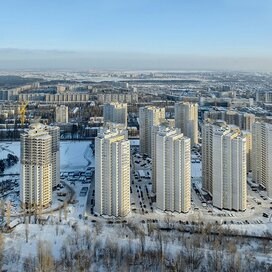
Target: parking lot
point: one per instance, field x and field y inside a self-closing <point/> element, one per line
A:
<point x="259" y="207"/>
<point x="141" y="184"/>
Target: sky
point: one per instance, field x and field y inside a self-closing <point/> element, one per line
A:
<point x="136" y="34"/>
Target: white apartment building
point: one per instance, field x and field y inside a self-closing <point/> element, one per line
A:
<point x="166" y="123"/>
<point x="112" y="173"/>
<point x="262" y="155"/>
<point x="115" y="113"/>
<point x="149" y="116"/>
<point x="36" y="168"/>
<point x="229" y="170"/>
<point x="62" y="114"/>
<point x="173" y="171"/>
<point x="186" y="118"/>
<point x="207" y="152"/>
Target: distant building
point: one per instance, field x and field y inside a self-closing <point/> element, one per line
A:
<point x="186" y="118"/>
<point x="112" y="173"/>
<point x="118" y="97"/>
<point x="173" y="171"/>
<point x="115" y="112"/>
<point x="262" y="155"/>
<point x="241" y="119"/>
<point x="149" y="116"/>
<point x="71" y="97"/>
<point x="264" y="96"/>
<point x="62" y="114"/>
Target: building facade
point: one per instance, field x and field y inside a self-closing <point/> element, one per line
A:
<point x="229" y="170"/>
<point x="112" y="173"/>
<point x="62" y="114"/>
<point x="262" y="155"/>
<point x="115" y="113"/>
<point x="173" y="171"/>
<point x="207" y="152"/>
<point x="36" y="168"/>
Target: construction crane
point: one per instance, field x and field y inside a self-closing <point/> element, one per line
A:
<point x="23" y="112"/>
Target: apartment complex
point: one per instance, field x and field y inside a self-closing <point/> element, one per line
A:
<point x="115" y="113"/>
<point x="264" y="96"/>
<point x="229" y="169"/>
<point x="118" y="97"/>
<point x="241" y="119"/>
<point x="36" y="168"/>
<point x="186" y="118"/>
<point x="112" y="173"/>
<point x="149" y="116"/>
<point x="62" y="114"/>
<point x="173" y="171"/>
<point x="262" y="155"/>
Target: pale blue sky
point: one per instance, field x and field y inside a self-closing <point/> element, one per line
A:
<point x="223" y="28"/>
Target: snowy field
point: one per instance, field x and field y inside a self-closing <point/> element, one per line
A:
<point x="74" y="155"/>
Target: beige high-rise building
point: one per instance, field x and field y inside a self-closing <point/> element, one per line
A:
<point x="173" y="171"/>
<point x="229" y="170"/>
<point x="149" y="116"/>
<point x="248" y="121"/>
<point x="62" y="114"/>
<point x="262" y="155"/>
<point x="112" y="173"/>
<point x="115" y="112"/>
<point x="36" y="168"/>
<point x="186" y="118"/>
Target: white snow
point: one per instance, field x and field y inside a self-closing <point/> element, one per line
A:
<point x="74" y="155"/>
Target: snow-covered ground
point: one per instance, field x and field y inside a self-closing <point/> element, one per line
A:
<point x="74" y="155"/>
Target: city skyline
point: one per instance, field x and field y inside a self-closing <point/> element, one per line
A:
<point x="195" y="35"/>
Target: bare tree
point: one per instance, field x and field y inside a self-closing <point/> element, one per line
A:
<point x="1" y="250"/>
<point x="2" y="208"/>
<point x="26" y="229"/>
<point x="65" y="209"/>
<point x="29" y="264"/>
<point x="45" y="257"/>
<point x="60" y="214"/>
<point x="8" y="212"/>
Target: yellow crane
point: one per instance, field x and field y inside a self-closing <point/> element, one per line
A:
<point x="23" y="112"/>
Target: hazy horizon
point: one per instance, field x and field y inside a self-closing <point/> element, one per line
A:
<point x="154" y="34"/>
<point x="24" y="59"/>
